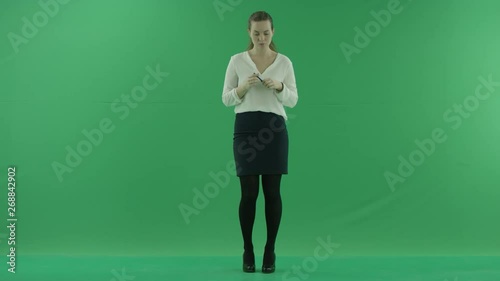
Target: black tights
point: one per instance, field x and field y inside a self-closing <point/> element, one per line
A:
<point x="273" y="208"/>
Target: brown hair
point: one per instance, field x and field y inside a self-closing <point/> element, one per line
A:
<point x="260" y="16"/>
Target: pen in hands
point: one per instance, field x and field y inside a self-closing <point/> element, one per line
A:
<point x="255" y="79"/>
<point x="252" y="80"/>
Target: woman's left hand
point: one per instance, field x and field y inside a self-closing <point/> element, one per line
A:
<point x="272" y="84"/>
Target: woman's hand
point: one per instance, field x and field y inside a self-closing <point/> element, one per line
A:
<point x="251" y="81"/>
<point x="272" y="84"/>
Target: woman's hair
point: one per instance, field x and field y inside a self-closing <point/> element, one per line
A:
<point x="260" y="16"/>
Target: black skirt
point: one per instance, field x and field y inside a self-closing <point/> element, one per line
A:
<point x="260" y="143"/>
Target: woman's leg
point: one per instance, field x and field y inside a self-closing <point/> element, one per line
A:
<point x="273" y="209"/>
<point x="249" y="194"/>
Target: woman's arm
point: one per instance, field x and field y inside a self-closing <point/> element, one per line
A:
<point x="241" y="91"/>
<point x="288" y="95"/>
<point x="231" y="93"/>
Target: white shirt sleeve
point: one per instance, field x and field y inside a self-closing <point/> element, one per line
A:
<point x="229" y="95"/>
<point x="288" y="96"/>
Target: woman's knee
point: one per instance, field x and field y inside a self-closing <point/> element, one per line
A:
<point x="249" y="187"/>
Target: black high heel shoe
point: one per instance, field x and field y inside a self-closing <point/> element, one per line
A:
<point x="248" y="262"/>
<point x="269" y="263"/>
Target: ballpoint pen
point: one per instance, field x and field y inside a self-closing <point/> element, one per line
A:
<point x="259" y="77"/>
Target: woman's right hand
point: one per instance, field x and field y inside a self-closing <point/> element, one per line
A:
<point x="251" y="81"/>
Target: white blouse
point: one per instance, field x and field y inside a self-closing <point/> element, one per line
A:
<point x="260" y="98"/>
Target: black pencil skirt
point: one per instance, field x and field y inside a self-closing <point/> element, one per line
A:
<point x="260" y="143"/>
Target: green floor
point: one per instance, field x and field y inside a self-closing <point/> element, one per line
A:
<point x="65" y="268"/>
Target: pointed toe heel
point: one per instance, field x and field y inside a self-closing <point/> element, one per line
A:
<point x="269" y="264"/>
<point x="248" y="262"/>
<point x="249" y="268"/>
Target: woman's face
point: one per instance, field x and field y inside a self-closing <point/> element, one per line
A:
<point x="261" y="33"/>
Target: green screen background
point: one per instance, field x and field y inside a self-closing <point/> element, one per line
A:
<point x="352" y="122"/>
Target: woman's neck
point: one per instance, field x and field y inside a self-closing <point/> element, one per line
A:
<point x="260" y="52"/>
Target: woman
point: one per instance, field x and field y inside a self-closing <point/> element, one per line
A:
<point x="259" y="83"/>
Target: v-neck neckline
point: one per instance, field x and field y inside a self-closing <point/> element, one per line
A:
<point x="255" y="65"/>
